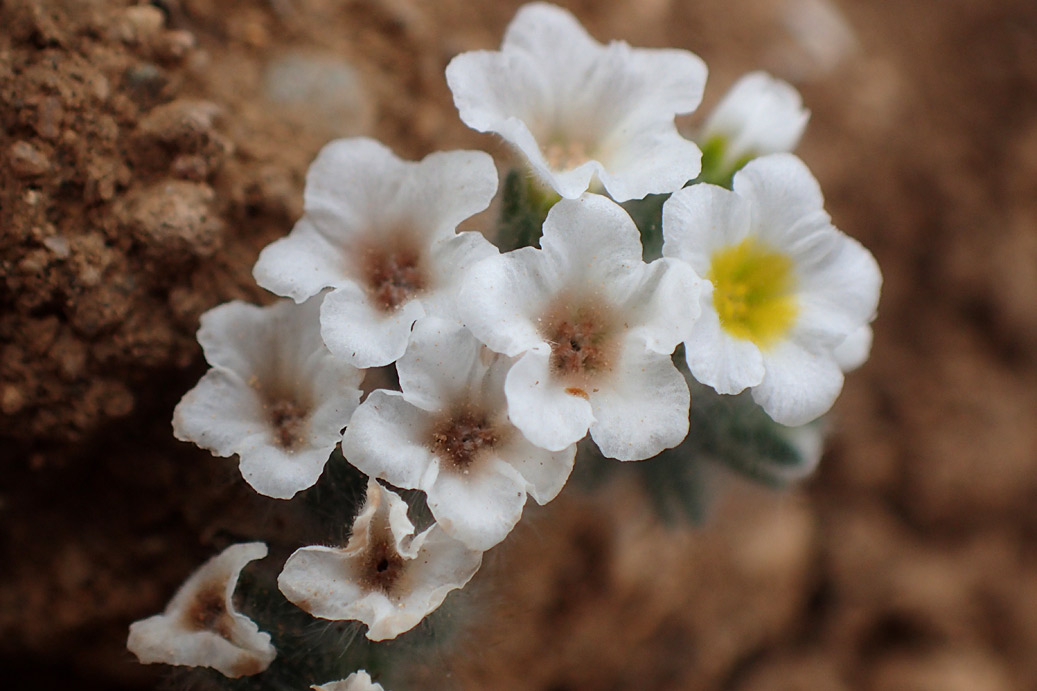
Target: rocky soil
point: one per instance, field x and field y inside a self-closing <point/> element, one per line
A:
<point x="148" y="151"/>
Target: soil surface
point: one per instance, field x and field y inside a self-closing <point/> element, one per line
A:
<point x="149" y="151"/>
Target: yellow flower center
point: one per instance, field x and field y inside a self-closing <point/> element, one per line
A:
<point x="752" y="292"/>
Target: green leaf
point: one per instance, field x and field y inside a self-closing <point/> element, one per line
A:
<point x="524" y="206"/>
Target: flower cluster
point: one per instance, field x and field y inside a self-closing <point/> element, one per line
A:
<point x="505" y="361"/>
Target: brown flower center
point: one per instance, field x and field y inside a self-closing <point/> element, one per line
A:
<point x="383" y="566"/>
<point x="582" y="347"/>
<point x="289" y="421"/>
<point x="462" y="438"/>
<point x="393" y="275"/>
<point x="209" y="612"/>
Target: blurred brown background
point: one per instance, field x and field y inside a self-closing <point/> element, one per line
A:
<point x="148" y="153"/>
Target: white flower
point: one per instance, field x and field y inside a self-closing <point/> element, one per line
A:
<point x="200" y="627"/>
<point x="357" y="681"/>
<point x="760" y="115"/>
<point x="448" y="434"/>
<point x="386" y="576"/>
<point x="854" y="351"/>
<point x="577" y="109"/>
<point x="275" y="396"/>
<point x="381" y="232"/>
<point x="594" y="327"/>
<point x="785" y="288"/>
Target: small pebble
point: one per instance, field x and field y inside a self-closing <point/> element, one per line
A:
<point x="173" y="46"/>
<point x="12" y="399"/>
<point x="138" y="23"/>
<point x="26" y="160"/>
<point x="57" y="244"/>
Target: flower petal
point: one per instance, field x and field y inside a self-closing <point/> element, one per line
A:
<point x="502" y="297"/>
<point x="593" y="241"/>
<point x="653" y="160"/>
<point x="759" y="115"/>
<point x="357" y="681"/>
<point x="387" y="438"/>
<point x="854" y="351"/>
<point x="200" y="627"/>
<point x="839" y="291"/>
<point x="362" y="335"/>
<point x="545" y="472"/>
<point x="441" y="364"/>
<point x="701" y="219"/>
<point x="301" y="264"/>
<point x="717" y="359"/>
<point x="449" y="262"/>
<point x="448" y="187"/>
<point x="221" y="414"/>
<point x="663" y="308"/>
<point x="539" y="406"/>
<point x="787" y="196"/>
<point x="643" y="407"/>
<point x="481" y="506"/>
<point x="799" y="385"/>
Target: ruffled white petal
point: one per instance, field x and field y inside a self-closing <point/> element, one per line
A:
<point x="799" y="385"/>
<point x="448" y="187"/>
<point x="342" y="583"/>
<point x="581" y="111"/>
<point x="358" y="185"/>
<point x="441" y="365"/>
<point x="300" y="265"/>
<point x="480" y="507"/>
<point x="541" y="30"/>
<point x="449" y="262"/>
<point x="359" y="333"/>
<point x="661" y="310"/>
<point x="545" y="472"/>
<point x="644" y="163"/>
<point x="644" y="408"/>
<point x="854" y="351"/>
<point x="222" y="414"/>
<point x="381" y="232"/>
<point x="502" y="297"/>
<point x="387" y="438"/>
<point x="276" y="396"/>
<point x="701" y="219"/>
<point x="786" y="197"/>
<point x="591" y="241"/>
<point x="357" y="681"/>
<point x="540" y="407"/>
<point x="760" y="115"/>
<point x="200" y="627"/>
<point x="839" y="290"/>
<point x="717" y="359"/>
<point x="834" y="287"/>
<point x="351" y="182"/>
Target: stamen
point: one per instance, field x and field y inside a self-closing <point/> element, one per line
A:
<point x="289" y="421"/>
<point x="393" y="276"/>
<point x="461" y="439"/>
<point x="563" y="153"/>
<point x="752" y="292"/>
<point x="581" y="343"/>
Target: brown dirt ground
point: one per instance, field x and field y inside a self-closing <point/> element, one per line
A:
<point x="143" y="169"/>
